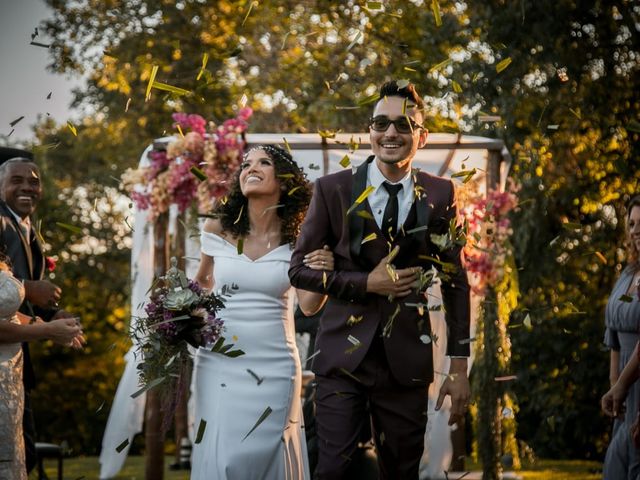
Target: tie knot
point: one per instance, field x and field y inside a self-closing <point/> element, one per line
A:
<point x="392" y="188"/>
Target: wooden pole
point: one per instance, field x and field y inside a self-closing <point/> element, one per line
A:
<point x="181" y="415"/>
<point x="154" y="440"/>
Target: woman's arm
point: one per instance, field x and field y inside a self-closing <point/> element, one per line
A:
<point x="614" y="369"/>
<point x="612" y="402"/>
<point x="61" y="331"/>
<point x="311" y="302"/>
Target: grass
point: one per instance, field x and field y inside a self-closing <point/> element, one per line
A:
<point x="87" y="468"/>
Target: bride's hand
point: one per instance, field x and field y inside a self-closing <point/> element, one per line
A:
<point x="321" y="259"/>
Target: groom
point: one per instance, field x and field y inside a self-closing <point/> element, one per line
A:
<point x="387" y="225"/>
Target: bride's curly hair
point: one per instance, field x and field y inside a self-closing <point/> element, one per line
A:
<point x="632" y="250"/>
<point x="292" y="206"/>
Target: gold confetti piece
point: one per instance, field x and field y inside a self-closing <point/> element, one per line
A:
<point x="71" y="228"/>
<point x="353" y="340"/>
<point x="312" y="356"/>
<point x="234" y="338"/>
<point x="370" y="99"/>
<point x="273" y="207"/>
<point x="571" y="226"/>
<point x="355" y="39"/>
<point x="328" y="133"/>
<point x="576" y="113"/>
<point x="286" y="144"/>
<point x="262" y="418"/>
<point x="152" y="78"/>
<point x="201" y="428"/>
<point x="363" y="196"/>
<point x="456" y="86"/>
<point x="435" y="7"/>
<point x="409" y="69"/>
<point x="386" y="331"/>
<point x="205" y="59"/>
<point x="240" y="246"/>
<point x="601" y="257"/>
<point x="391" y="271"/>
<point x="170" y="88"/>
<point x="199" y="174"/>
<point x="240" y="214"/>
<point x="466" y="340"/>
<point x="324" y="280"/>
<point x="402" y="83"/>
<point x="393" y="253"/>
<point x="364" y="214"/>
<point x="72" y="128"/>
<point x="527" y="322"/>
<point x="294" y="190"/>
<point x="466" y="174"/>
<point x="503" y="64"/>
<point x="126" y="107"/>
<point x="506" y="378"/>
<point x="180" y="130"/>
<point x="369" y="238"/>
<point x="374" y="5"/>
<point x="243" y="100"/>
<point x="285" y="175"/>
<point x="253" y="4"/>
<point x="122" y="446"/>
<point x="404" y="111"/>
<point x="440" y="65"/>
<point x="553" y="127"/>
<point x="353" y="320"/>
<point x="349" y="374"/>
<point x="450" y="376"/>
<point x="345" y="162"/>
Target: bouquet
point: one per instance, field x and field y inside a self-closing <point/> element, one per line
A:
<point x="179" y="314"/>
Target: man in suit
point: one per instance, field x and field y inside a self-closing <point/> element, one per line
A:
<point x="387" y="225"/>
<point x="20" y="191"/>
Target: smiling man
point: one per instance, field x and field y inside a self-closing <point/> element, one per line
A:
<point x="20" y="191"/>
<point x="373" y="360"/>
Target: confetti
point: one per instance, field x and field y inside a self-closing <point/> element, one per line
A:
<point x="313" y="166"/>
<point x="286" y="144"/>
<point x="506" y="378"/>
<point x="417" y="229"/>
<point x="353" y="320"/>
<point x="503" y="64"/>
<point x="633" y="126"/>
<point x="601" y="257"/>
<point x="456" y="86"/>
<point x="374" y="5"/>
<point x="251" y="5"/>
<point x="16" y="121"/>
<point x="367" y="191"/>
<point x="259" y="379"/>
<point x="122" y="446"/>
<point x="49" y="96"/>
<point x="149" y="386"/>
<point x="205" y="59"/>
<point x="294" y="190"/>
<point x="364" y="214"/>
<point x="240" y="214"/>
<point x="441" y="65"/>
<point x="180" y="130"/>
<point x="71" y="228"/>
<point x="466" y="340"/>
<point x="328" y="133"/>
<point x="354" y="41"/>
<point x="262" y="418"/>
<point x="369" y="238"/>
<point x="571" y="226"/>
<point x="507" y="413"/>
<point x="240" y="246"/>
<point x="170" y="88"/>
<point x="199" y="174"/>
<point x="625" y="298"/>
<point x="426" y="339"/>
<point x="152" y="77"/>
<point x="38" y="44"/>
<point x="126" y="107"/>
<point x="435" y="7"/>
<point x="324" y="280"/>
<point x="466" y="174"/>
<point x="527" y="322"/>
<point x="201" y="428"/>
<point x="489" y="118"/>
<point x="402" y="83"/>
<point x="370" y="99"/>
<point x="386" y="331"/>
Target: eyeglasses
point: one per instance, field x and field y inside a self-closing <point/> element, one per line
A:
<point x="404" y="124"/>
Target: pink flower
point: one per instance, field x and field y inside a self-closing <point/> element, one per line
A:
<point x="50" y="264"/>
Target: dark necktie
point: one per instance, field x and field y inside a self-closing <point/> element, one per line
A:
<point x="390" y="217"/>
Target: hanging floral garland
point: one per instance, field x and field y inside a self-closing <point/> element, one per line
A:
<point x="195" y="168"/>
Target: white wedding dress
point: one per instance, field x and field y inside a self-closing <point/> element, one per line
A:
<point x="233" y="395"/>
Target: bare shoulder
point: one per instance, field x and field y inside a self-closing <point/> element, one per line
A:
<point x="213" y="225"/>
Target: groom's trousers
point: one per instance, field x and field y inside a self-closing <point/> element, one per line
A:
<point x="398" y="416"/>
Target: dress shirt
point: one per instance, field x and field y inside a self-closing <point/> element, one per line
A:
<point x="379" y="197"/>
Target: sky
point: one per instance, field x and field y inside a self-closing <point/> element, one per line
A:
<point x="24" y="79"/>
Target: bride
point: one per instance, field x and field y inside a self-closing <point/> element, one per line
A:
<point x="250" y="406"/>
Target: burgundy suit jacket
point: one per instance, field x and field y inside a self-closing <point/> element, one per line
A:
<point x="352" y="316"/>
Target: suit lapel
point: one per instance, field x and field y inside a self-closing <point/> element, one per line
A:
<point x="25" y="243"/>
<point x="423" y="208"/>
<point x="356" y="221"/>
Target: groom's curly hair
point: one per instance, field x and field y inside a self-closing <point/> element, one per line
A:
<point x="294" y="198"/>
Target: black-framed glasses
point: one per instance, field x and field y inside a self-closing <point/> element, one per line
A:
<point x="380" y="123"/>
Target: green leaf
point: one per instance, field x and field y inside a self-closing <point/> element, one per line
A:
<point x="71" y="228"/>
<point x="201" y="428"/>
<point x="122" y="446"/>
<point x="148" y="386"/>
<point x="199" y="174"/>
<point x="262" y="418"/>
<point x="503" y="64"/>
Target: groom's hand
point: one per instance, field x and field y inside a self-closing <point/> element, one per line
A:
<point x="457" y="385"/>
<point x="386" y="280"/>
